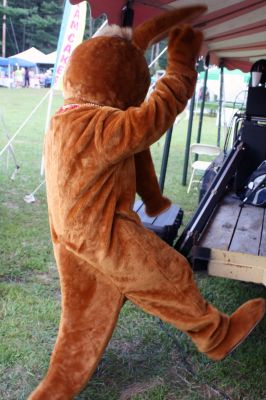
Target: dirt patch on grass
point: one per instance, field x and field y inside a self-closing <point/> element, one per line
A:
<point x="184" y="376"/>
<point x="10" y="205"/>
<point x="40" y="277"/>
<point x="12" y="279"/>
<point x="46" y="277"/>
<point x="123" y="346"/>
<point x="140" y="388"/>
<point x="15" y="383"/>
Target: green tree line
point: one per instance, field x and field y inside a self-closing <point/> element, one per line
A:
<point x="36" y="23"/>
<point x="32" y="23"/>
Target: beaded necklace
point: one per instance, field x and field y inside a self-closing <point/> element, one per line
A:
<point x="72" y="106"/>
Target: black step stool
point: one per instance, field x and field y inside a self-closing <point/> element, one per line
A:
<point x="165" y="225"/>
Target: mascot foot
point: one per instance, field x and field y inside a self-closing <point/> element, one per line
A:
<point x="242" y="323"/>
<point x="157" y="206"/>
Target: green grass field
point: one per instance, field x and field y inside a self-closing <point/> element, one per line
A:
<point x="146" y="359"/>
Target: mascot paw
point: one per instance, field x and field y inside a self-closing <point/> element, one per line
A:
<point x="242" y="323"/>
<point x="157" y="207"/>
<point x="184" y="45"/>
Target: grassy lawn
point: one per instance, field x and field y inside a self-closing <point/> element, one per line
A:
<point x="146" y="359"/>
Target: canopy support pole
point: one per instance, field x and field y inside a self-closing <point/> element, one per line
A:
<point x="220" y="103"/>
<point x="166" y="150"/>
<point x="202" y="106"/>
<point x="4" y="30"/>
<point x="189" y="134"/>
<point x="128" y="14"/>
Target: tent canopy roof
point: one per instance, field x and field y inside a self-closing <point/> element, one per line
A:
<point x="235" y="30"/>
<point x="51" y="58"/>
<point x="35" y="56"/>
<point x="4" y="62"/>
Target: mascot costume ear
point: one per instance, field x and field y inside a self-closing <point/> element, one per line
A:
<point x="96" y="157"/>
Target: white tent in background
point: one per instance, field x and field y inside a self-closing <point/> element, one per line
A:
<point x="34" y="55"/>
<point x="51" y="58"/>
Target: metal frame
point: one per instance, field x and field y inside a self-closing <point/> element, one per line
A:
<point x="164" y="164"/>
<point x="208" y="203"/>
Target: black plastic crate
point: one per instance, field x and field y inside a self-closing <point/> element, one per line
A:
<point x="165" y="225"/>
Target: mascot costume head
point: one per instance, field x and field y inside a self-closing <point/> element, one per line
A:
<point x="96" y="158"/>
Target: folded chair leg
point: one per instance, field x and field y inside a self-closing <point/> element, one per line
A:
<point x="191" y="180"/>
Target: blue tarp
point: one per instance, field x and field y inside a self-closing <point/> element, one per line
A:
<point x="4" y="62"/>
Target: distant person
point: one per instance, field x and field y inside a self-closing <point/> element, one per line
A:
<point x="26" y="78"/>
<point x="201" y="93"/>
<point x="48" y="78"/>
<point x="18" y="78"/>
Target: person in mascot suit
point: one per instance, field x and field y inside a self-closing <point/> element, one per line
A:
<point x="96" y="158"/>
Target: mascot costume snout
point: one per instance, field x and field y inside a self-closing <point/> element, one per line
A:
<point x="96" y="158"/>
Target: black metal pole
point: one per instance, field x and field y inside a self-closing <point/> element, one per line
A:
<point x="202" y="106"/>
<point x="127" y="14"/>
<point x="166" y="150"/>
<point x="189" y="134"/>
<point x="220" y="103"/>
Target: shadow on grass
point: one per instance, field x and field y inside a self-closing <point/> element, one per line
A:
<point x="147" y="359"/>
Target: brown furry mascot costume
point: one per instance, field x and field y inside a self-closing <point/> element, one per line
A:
<point x="97" y="157"/>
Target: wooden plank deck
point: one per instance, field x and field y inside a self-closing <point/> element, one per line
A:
<point x="221" y="228"/>
<point x="235" y="240"/>
<point x="235" y="228"/>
